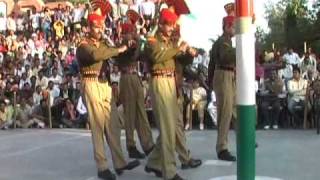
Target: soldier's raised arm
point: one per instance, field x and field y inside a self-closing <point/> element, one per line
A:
<point x="94" y="53"/>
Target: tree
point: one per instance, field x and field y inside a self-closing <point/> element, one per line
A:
<point x="291" y="23"/>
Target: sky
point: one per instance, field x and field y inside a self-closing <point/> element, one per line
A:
<point x="206" y="20"/>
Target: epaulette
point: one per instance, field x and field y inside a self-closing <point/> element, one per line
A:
<point x="151" y="40"/>
<point x="83" y="42"/>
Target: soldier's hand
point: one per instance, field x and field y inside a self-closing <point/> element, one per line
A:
<point x="122" y="49"/>
<point x="193" y="52"/>
<point x="183" y="46"/>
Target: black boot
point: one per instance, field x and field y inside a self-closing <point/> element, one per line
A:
<point x="106" y="175"/>
<point x="135" y="154"/>
<point x="177" y="177"/>
<point x="193" y="163"/>
<point x="226" y="156"/>
<point x="129" y="166"/>
<point x="152" y="170"/>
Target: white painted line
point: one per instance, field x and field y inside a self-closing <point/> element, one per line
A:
<point x="92" y="178"/>
<point x="217" y="163"/>
<point x="19" y="153"/>
<point x="74" y="133"/>
<point x="18" y="135"/>
<point x="234" y="177"/>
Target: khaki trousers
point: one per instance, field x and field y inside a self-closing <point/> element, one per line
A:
<point x="181" y="140"/>
<point x="165" y="108"/>
<point x="104" y="122"/>
<point x="224" y="85"/>
<point x="135" y="116"/>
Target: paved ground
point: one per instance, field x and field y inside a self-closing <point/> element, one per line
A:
<point x="67" y="155"/>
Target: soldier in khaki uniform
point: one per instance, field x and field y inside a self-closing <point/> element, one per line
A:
<point x="91" y="53"/>
<point x="162" y="52"/>
<point x="132" y="97"/>
<point x="224" y="82"/>
<point x="183" y="152"/>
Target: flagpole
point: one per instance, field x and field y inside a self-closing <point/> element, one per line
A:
<point x="246" y="102"/>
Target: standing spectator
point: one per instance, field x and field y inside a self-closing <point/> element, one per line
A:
<point x="308" y="64"/>
<point x="77" y="15"/>
<point x="58" y="13"/>
<point x="291" y="57"/>
<point x="297" y="91"/>
<point x="35" y="19"/>
<point x="46" y="23"/>
<point x="11" y="23"/>
<point x="147" y="9"/>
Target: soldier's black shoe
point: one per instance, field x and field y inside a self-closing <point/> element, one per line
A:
<point x="193" y="163"/>
<point x="177" y="177"/>
<point x="129" y="166"/>
<point x="135" y="154"/>
<point x="147" y="152"/>
<point x="257" y="145"/>
<point x="152" y="170"/>
<point x="106" y="175"/>
<point x="226" y="156"/>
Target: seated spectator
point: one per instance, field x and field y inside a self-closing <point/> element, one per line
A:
<point x="26" y="91"/>
<point x="274" y="86"/>
<point x="68" y="114"/>
<point x="115" y="74"/>
<point x="54" y="92"/>
<point x="66" y="92"/>
<point x="42" y="80"/>
<point x="6" y="114"/>
<point x="24" y="116"/>
<point x="297" y="91"/>
<point x="212" y="108"/>
<point x="40" y="113"/>
<point x="198" y="102"/>
<point x="82" y="118"/>
<point x="55" y="78"/>
<point x="37" y="95"/>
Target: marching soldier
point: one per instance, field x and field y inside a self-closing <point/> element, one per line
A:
<point x="91" y="53"/>
<point x="224" y="82"/>
<point x="162" y="52"/>
<point x="132" y="97"/>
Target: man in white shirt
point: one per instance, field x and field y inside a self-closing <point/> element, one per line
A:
<point x="297" y="91"/>
<point x="292" y="58"/>
<point x="42" y="80"/>
<point x="24" y="79"/>
<point x="35" y="20"/>
<point x="147" y="9"/>
<point x="115" y="74"/>
<point x="55" y="78"/>
<point x="199" y="102"/>
<point x="54" y="92"/>
<point x="11" y="23"/>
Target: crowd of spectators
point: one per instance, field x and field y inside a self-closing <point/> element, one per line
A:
<point x="40" y="81"/>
